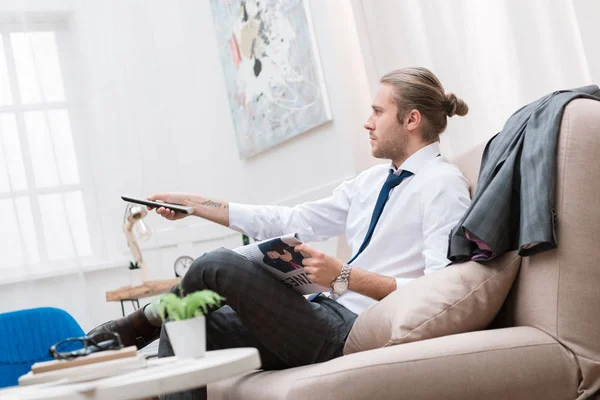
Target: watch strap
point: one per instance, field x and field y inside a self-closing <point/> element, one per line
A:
<point x="344" y="277"/>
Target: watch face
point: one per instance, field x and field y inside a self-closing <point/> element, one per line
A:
<point x="340" y="287"/>
<point x="182" y="264"/>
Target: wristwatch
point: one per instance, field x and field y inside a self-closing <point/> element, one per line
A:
<point x="339" y="286"/>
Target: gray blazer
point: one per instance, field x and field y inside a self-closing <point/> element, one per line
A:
<point x="514" y="205"/>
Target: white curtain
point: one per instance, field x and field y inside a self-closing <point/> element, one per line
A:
<point x="84" y="118"/>
<point x="48" y="227"/>
<point x="496" y="55"/>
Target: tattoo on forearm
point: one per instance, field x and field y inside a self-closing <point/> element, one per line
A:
<point x="216" y="204"/>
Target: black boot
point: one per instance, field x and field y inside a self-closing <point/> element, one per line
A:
<point x="134" y="329"/>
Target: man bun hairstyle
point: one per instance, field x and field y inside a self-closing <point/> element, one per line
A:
<point x="455" y="106"/>
<point x="417" y="88"/>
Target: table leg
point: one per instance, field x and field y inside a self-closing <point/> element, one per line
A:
<point x="135" y="304"/>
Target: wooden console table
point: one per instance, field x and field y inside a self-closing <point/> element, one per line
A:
<point x="134" y="293"/>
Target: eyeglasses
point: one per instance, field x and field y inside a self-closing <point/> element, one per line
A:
<point x="82" y="346"/>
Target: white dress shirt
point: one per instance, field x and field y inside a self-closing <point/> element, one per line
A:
<point x="411" y="236"/>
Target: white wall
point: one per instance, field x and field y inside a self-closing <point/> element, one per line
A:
<point x="153" y="116"/>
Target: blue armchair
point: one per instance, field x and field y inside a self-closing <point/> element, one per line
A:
<point x="26" y="336"/>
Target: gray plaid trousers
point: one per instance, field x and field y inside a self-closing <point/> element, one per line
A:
<point x="260" y="312"/>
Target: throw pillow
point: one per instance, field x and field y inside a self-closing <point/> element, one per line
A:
<point x="459" y="298"/>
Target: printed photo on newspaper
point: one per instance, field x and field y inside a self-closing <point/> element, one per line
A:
<point x="277" y="256"/>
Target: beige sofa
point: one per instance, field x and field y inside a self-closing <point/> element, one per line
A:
<point x="544" y="343"/>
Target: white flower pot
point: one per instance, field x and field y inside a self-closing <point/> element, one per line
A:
<point x="188" y="337"/>
<point x="135" y="277"/>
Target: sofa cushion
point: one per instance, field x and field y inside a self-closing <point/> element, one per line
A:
<point x="520" y="363"/>
<point x="459" y="298"/>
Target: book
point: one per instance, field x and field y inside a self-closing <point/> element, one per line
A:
<point x="278" y="257"/>
<point x="100" y="356"/>
<point x="85" y="368"/>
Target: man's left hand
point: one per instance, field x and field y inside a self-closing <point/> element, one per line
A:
<point x="320" y="268"/>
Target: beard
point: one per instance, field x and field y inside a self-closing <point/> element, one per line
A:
<point x="393" y="147"/>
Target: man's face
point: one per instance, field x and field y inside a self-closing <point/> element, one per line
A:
<point x="286" y="256"/>
<point x="273" y="255"/>
<point x="387" y="137"/>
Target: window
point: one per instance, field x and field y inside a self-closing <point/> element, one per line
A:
<point x="44" y="220"/>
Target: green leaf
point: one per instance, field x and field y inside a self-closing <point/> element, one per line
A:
<point x="170" y="306"/>
<point x="194" y="304"/>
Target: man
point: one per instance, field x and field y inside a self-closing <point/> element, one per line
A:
<point x="277" y="256"/>
<point x="397" y="218"/>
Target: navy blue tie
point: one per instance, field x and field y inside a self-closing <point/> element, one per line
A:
<point x="391" y="182"/>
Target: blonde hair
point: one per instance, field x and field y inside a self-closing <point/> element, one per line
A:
<point x="417" y="88"/>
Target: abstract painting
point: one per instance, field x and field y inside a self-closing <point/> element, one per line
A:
<point x="272" y="71"/>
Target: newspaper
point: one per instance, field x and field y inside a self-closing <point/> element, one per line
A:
<point x="278" y="257"/>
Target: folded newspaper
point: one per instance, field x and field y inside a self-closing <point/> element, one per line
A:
<point x="278" y="257"/>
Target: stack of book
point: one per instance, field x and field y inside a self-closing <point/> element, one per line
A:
<point x="93" y="366"/>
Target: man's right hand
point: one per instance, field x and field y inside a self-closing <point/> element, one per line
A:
<point x="175" y="198"/>
<point x="210" y="209"/>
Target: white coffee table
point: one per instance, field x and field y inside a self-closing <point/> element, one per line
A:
<point x="161" y="376"/>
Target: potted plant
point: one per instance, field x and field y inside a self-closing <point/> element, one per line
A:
<point x="184" y="320"/>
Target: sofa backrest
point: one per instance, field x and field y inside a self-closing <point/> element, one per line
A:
<point x="558" y="291"/>
<point x="469" y="163"/>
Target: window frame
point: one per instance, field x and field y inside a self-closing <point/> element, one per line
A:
<point x="59" y="24"/>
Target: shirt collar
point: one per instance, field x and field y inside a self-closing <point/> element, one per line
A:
<point x="418" y="159"/>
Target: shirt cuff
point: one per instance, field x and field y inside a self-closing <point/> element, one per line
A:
<point x="240" y="216"/>
<point x="402" y="282"/>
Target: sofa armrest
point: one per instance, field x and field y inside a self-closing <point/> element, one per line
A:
<point x="512" y="363"/>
